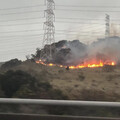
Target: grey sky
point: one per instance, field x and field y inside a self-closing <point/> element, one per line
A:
<point x="22" y="44"/>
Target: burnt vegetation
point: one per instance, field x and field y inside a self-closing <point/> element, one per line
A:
<point x="64" y="52"/>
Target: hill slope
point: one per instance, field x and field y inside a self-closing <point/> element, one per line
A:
<point x="80" y="84"/>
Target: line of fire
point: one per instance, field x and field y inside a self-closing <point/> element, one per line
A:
<point x="76" y="54"/>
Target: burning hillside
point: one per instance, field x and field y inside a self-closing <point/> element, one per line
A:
<point x="78" y="55"/>
<point x="89" y="65"/>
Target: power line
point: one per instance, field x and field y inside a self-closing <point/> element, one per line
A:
<point x="86" y="10"/>
<point x="15" y="39"/>
<point x="76" y="22"/>
<point x="86" y="19"/>
<point x="43" y="34"/>
<point x="17" y="51"/>
<point x="22" y="7"/>
<point x="31" y="37"/>
<point x="69" y="32"/>
<point x="58" y="18"/>
<point x="86" y="26"/>
<point x="23" y="45"/>
<point x="92" y="26"/>
<point x="79" y="34"/>
<point x="22" y="12"/>
<point x="22" y="19"/>
<point x="22" y="31"/>
<point x="38" y="35"/>
<point x="10" y="43"/>
<point x="38" y="30"/>
<point x="89" y="6"/>
<point x="23" y="24"/>
<point x="78" y="18"/>
<point x="21" y="35"/>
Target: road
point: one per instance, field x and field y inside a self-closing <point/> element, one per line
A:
<point x="48" y="117"/>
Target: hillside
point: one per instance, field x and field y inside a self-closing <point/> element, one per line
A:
<point x="79" y="84"/>
<point x="43" y="82"/>
<point x="31" y="80"/>
<point x="1" y="63"/>
<point x="75" y="52"/>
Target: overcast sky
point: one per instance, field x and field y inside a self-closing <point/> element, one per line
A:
<point x="19" y="27"/>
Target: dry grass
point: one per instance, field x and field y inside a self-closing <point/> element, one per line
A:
<point x="73" y="82"/>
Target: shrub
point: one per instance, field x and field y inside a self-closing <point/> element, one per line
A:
<point x="60" y="71"/>
<point x="81" y="77"/>
<point x="108" y="68"/>
<point x="11" y="63"/>
<point x="11" y="81"/>
<point x="93" y="95"/>
<point x="23" y="85"/>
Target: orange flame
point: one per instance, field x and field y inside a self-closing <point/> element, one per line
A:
<point x="89" y="65"/>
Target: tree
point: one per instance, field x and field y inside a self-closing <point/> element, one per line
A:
<point x="11" y="81"/>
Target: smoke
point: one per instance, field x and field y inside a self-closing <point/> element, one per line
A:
<point x="69" y="52"/>
<point x="106" y="49"/>
<point x="114" y="30"/>
<point x="75" y="52"/>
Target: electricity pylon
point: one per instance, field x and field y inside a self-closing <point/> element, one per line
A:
<point x="107" y="31"/>
<point x="49" y="29"/>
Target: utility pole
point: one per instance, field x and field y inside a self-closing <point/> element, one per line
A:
<point x="107" y="31"/>
<point x="49" y="28"/>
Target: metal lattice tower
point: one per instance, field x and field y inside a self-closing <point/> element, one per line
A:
<point x="107" y="32"/>
<point x="49" y="28"/>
